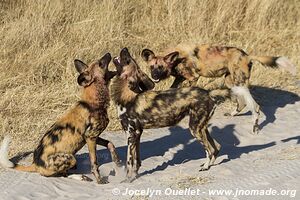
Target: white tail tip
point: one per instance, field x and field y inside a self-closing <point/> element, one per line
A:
<point x="286" y="64"/>
<point x="4" y="161"/>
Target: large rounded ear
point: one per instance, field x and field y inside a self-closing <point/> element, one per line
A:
<point x="85" y="79"/>
<point x="147" y="55"/>
<point x="171" y="57"/>
<point x="117" y="63"/>
<point x="125" y="57"/>
<point x="104" y="61"/>
<point x="80" y="66"/>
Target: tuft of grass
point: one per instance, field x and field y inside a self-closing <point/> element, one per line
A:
<point x="40" y="39"/>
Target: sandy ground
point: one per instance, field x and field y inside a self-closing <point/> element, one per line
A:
<point x="269" y="161"/>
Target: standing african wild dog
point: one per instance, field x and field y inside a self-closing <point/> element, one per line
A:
<point x="188" y="62"/>
<point x="139" y="109"/>
<point x="82" y="125"/>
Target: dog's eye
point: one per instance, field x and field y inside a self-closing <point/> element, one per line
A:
<point x="151" y="67"/>
<point x="160" y="67"/>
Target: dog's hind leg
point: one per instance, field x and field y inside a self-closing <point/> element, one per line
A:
<point x="244" y="93"/>
<point x="198" y="127"/>
<point x="211" y="146"/>
<point x="241" y="104"/>
<point x="133" y="155"/>
<point x="139" y="162"/>
<point x="214" y="146"/>
<point x="238" y="81"/>
<point x="57" y="164"/>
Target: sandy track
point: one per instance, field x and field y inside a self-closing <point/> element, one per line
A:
<point x="171" y="159"/>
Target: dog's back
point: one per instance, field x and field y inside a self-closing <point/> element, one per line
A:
<point x="167" y="108"/>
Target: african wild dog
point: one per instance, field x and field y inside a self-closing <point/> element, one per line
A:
<point x="188" y="62"/>
<point x="139" y="109"/>
<point x="81" y="125"/>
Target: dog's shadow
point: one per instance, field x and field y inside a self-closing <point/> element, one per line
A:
<point x="193" y="150"/>
<point x="270" y="100"/>
<point x="167" y="147"/>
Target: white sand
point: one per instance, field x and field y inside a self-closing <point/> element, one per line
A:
<point x="171" y="159"/>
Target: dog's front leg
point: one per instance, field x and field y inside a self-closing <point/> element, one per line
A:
<point x="91" y="142"/>
<point x="133" y="162"/>
<point x="111" y="147"/>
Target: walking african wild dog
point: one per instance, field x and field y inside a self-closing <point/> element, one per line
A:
<point x="188" y="62"/>
<point x="81" y="125"/>
<point x="139" y="109"/>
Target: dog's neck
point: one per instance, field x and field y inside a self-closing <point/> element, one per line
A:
<point x="120" y="92"/>
<point x="96" y="94"/>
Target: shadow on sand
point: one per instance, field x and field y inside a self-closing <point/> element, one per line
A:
<point x="191" y="149"/>
<point x="269" y="99"/>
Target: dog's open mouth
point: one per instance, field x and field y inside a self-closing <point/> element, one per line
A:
<point x="142" y="87"/>
<point x="155" y="80"/>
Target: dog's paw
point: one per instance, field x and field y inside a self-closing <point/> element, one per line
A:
<point x="86" y="178"/>
<point x="80" y="177"/>
<point x="204" y="167"/>
<point x="103" y="180"/>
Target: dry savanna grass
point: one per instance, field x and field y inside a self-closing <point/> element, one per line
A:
<point x="40" y="39"/>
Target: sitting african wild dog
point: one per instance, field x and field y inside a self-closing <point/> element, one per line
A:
<point x="81" y="125"/>
<point x="188" y="62"/>
<point x="139" y="109"/>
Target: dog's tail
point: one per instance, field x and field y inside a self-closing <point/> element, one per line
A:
<point x="276" y="62"/>
<point x="5" y="162"/>
<point x="219" y="95"/>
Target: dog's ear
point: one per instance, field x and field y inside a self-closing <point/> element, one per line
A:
<point x="109" y="75"/>
<point x="147" y="55"/>
<point x="119" y="67"/>
<point x="171" y="57"/>
<point x="104" y="61"/>
<point x="80" y="66"/>
<point x="125" y="57"/>
<point x="85" y="79"/>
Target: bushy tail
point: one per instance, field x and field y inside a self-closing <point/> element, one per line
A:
<point x="219" y="95"/>
<point x="276" y="62"/>
<point x="5" y="162"/>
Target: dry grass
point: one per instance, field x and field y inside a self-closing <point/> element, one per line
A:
<point x="40" y="39"/>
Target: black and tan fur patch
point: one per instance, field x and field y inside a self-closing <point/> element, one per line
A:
<point x="193" y="61"/>
<point x="81" y="125"/>
<point x="155" y="109"/>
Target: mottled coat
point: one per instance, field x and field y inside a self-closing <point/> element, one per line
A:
<point x="139" y="108"/>
<point x="189" y="62"/>
<point x="81" y="125"/>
